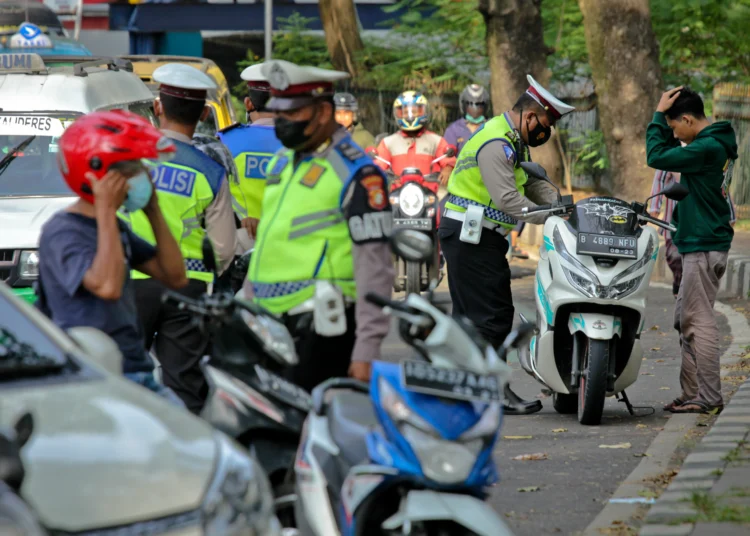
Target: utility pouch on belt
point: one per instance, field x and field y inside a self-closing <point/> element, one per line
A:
<point x="329" y="314"/>
<point x="471" y="231"/>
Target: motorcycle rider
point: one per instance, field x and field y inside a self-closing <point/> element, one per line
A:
<point x="489" y="176"/>
<point x="252" y="146"/>
<point x="322" y="240"/>
<point x="194" y="194"/>
<point x="414" y="145"/>
<point x="473" y="103"/>
<point x="346" y="116"/>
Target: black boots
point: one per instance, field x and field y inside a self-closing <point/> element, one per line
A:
<point x="515" y="405"/>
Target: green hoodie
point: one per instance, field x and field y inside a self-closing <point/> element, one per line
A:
<point x="702" y="218"/>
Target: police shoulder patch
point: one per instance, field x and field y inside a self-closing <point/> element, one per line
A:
<point x="510" y="154"/>
<point x="312" y="176"/>
<point x="375" y="186"/>
<point x="350" y="151"/>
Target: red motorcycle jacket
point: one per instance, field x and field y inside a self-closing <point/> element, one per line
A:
<point x="403" y="151"/>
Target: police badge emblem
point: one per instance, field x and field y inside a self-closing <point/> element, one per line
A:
<point x="278" y="77"/>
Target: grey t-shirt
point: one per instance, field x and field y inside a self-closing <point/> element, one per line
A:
<point x="67" y="248"/>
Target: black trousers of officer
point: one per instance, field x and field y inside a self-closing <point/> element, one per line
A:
<point x="320" y="358"/>
<point x="179" y="344"/>
<point x="479" y="280"/>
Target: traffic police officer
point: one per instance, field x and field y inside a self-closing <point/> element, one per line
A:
<point x="252" y="146"/>
<point x="322" y="241"/>
<point x="489" y="183"/>
<point x="195" y="199"/>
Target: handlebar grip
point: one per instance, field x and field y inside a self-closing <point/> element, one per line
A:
<point x="541" y="207"/>
<point x="377" y="299"/>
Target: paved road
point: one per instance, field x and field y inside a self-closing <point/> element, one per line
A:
<point x="579" y="477"/>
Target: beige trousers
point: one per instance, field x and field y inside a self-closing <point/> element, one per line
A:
<point x="700" y="373"/>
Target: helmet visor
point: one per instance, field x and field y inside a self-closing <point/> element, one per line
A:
<point x="410" y="111"/>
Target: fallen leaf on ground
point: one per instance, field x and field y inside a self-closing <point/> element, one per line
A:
<point x="517" y="437"/>
<point x="528" y="457"/>
<point x="646" y="374"/>
<point x="558" y="430"/>
<point x="660" y="361"/>
<point x="617" y="446"/>
<point x="641" y="455"/>
<point x="656" y="349"/>
<point x="664" y="388"/>
<point x="529" y="488"/>
<point x="654" y="328"/>
<point x="702" y="424"/>
<point x="641" y="426"/>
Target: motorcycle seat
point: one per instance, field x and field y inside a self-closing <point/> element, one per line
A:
<point x="350" y="418"/>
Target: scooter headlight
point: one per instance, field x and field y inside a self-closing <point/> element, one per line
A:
<point x="28" y="265"/>
<point x="239" y="501"/>
<point x="411" y="200"/>
<point x="274" y="335"/>
<point x="444" y="462"/>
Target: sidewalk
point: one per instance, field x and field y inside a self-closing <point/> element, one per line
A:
<point x="736" y="281"/>
<point x="710" y="496"/>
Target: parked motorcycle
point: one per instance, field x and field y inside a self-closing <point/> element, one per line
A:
<point x="249" y="399"/>
<point x="410" y="453"/>
<point x="16" y="517"/>
<point x="415" y="204"/>
<point x="591" y="285"/>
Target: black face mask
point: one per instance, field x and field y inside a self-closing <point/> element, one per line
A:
<point x="291" y="133"/>
<point x="539" y="135"/>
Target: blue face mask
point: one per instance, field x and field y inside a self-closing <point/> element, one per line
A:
<point x="475" y="120"/>
<point x="139" y="193"/>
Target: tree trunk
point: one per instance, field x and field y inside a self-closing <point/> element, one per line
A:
<point x="624" y="58"/>
<point x="341" y="26"/>
<point x="515" y="46"/>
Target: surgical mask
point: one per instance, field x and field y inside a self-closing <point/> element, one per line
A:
<point x="475" y="120"/>
<point x="291" y="133"/>
<point x="139" y="193"/>
<point x="539" y="135"/>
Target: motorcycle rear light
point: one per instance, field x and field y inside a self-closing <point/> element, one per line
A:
<point x="430" y="212"/>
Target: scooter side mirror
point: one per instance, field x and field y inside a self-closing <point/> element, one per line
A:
<point x="412" y="245"/>
<point x="535" y="170"/>
<point x="209" y="257"/>
<point x="99" y="346"/>
<point x="675" y="191"/>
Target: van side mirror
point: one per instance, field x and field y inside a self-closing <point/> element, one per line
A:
<point x="99" y="346"/>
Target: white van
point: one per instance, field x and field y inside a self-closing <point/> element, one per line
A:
<point x="38" y="101"/>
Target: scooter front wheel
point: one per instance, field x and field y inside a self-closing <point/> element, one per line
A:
<point x="592" y="386"/>
<point x="413" y="277"/>
<point x="565" y="404"/>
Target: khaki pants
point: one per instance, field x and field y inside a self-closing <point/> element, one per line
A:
<point x="700" y="374"/>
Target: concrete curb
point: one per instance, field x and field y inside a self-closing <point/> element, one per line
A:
<point x="664" y="445"/>
<point x="736" y="280"/>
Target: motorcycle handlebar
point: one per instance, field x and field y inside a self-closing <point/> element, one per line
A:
<point x="380" y="301"/>
<point x="657" y="222"/>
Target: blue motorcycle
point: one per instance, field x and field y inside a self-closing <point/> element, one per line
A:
<point x="410" y="452"/>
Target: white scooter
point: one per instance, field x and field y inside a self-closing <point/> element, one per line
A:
<point x="591" y="285"/>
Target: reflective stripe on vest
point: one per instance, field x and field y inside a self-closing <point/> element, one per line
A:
<point x="303" y="235"/>
<point x="466" y="186"/>
<point x="185" y="187"/>
<point x="253" y="148"/>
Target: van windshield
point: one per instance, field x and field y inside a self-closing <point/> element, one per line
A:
<point x="34" y="169"/>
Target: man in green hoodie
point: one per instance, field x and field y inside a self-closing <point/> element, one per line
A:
<point x="703" y="237"/>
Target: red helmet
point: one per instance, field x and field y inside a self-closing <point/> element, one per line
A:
<point x="98" y="140"/>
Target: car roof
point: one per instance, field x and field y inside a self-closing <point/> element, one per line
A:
<point x="78" y="84"/>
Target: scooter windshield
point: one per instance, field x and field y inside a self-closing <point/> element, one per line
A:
<point x="604" y="216"/>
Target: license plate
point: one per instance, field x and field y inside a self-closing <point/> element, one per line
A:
<point x="449" y="383"/>
<point x="283" y="389"/>
<point x="608" y="246"/>
<point x="422" y="224"/>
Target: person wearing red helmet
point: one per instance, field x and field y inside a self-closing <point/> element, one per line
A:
<point x="86" y="251"/>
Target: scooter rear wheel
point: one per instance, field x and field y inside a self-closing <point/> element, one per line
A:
<point x="565" y="404"/>
<point x="592" y="386"/>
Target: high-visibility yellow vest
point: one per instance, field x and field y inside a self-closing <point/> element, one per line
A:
<point x="186" y="185"/>
<point x="303" y="235"/>
<point x="253" y="147"/>
<point x="466" y="186"/>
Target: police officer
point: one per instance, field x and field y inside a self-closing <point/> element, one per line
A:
<point x="489" y="182"/>
<point x="252" y="146"/>
<point x="323" y="232"/>
<point x="347" y="109"/>
<point x="194" y="196"/>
